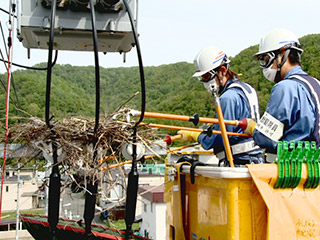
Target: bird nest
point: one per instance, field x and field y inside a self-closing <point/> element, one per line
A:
<point x="80" y="149"/>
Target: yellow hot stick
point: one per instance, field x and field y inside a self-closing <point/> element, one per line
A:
<point x="107" y="158"/>
<point x="224" y="133"/>
<point x="168" y="139"/>
<point x="117" y="165"/>
<point x="176" y="137"/>
<point x="173" y="138"/>
<point x="146" y="157"/>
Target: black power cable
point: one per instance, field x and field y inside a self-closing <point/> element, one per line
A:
<point x="19" y="65"/>
<point x="92" y="186"/>
<point x="1" y="9"/>
<point x="133" y="179"/>
<point x="54" y="184"/>
<point x="3" y="38"/>
<point x="49" y="63"/>
<point x="17" y="103"/>
<point x="5" y="87"/>
<point x="12" y="79"/>
<point x="96" y="60"/>
<point x="34" y="68"/>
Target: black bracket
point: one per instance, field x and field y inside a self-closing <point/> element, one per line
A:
<point x="193" y="168"/>
<point x="194" y="119"/>
<point x="208" y="130"/>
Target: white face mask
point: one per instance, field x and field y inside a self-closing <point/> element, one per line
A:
<point x="210" y="85"/>
<point x="270" y="74"/>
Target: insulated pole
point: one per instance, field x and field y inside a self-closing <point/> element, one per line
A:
<point x="172" y="127"/>
<point x="223" y="128"/>
<point x="195" y="118"/>
<point x="18" y="200"/>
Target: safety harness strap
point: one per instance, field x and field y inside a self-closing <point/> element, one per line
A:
<point x="240" y="148"/>
<point x="251" y="96"/>
<point x="313" y="85"/>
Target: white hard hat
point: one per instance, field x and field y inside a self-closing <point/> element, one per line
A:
<point x="207" y="59"/>
<point x="277" y="39"/>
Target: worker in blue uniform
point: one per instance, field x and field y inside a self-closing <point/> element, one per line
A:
<point x="292" y="113"/>
<point x="238" y="100"/>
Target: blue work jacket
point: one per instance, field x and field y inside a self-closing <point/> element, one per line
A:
<point x="290" y="103"/>
<point x="234" y="106"/>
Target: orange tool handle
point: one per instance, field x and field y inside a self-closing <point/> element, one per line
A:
<point x="223" y="129"/>
<point x="192" y="129"/>
<point x="185" y="118"/>
<point x="169" y="139"/>
<point x="224" y="135"/>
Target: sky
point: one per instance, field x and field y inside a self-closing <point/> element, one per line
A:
<point x="173" y="31"/>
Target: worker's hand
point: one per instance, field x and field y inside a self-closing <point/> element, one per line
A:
<point x="189" y="136"/>
<point x="248" y="125"/>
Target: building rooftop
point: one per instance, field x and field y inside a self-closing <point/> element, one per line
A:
<point x="152" y="193"/>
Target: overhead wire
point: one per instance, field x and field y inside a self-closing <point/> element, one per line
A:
<point x="17" y="103"/>
<point x="3" y="38"/>
<point x="34" y="68"/>
<point x="5" y="89"/>
<point x="2" y="83"/>
<point x="20" y="65"/>
<point x="5" y="63"/>
<point x="5" y="11"/>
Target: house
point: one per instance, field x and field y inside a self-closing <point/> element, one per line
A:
<point x="153" y="214"/>
<point x="27" y="189"/>
<point x="152" y="175"/>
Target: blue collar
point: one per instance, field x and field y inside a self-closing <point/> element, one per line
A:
<point x="293" y="71"/>
<point x="230" y="81"/>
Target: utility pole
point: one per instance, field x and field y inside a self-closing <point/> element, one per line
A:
<point x="46" y="189"/>
<point x="36" y="176"/>
<point x="18" y="199"/>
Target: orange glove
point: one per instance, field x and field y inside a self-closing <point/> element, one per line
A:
<point x="189" y="136"/>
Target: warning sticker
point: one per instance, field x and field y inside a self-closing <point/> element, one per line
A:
<point x="270" y="127"/>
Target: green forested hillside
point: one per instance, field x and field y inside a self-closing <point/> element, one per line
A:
<point x="243" y="63"/>
<point x="170" y="88"/>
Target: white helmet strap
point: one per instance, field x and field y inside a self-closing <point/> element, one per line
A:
<point x="214" y="73"/>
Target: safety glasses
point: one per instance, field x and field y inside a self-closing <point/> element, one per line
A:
<point x="208" y="76"/>
<point x="265" y="60"/>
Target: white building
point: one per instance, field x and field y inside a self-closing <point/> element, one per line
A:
<point x="153" y="214"/>
<point x="118" y="191"/>
<point x="153" y="180"/>
<point x="28" y="186"/>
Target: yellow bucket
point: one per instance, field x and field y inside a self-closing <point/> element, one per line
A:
<point x="223" y="204"/>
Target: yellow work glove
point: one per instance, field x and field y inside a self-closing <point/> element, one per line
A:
<point x="189" y="136"/>
<point x="248" y="125"/>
